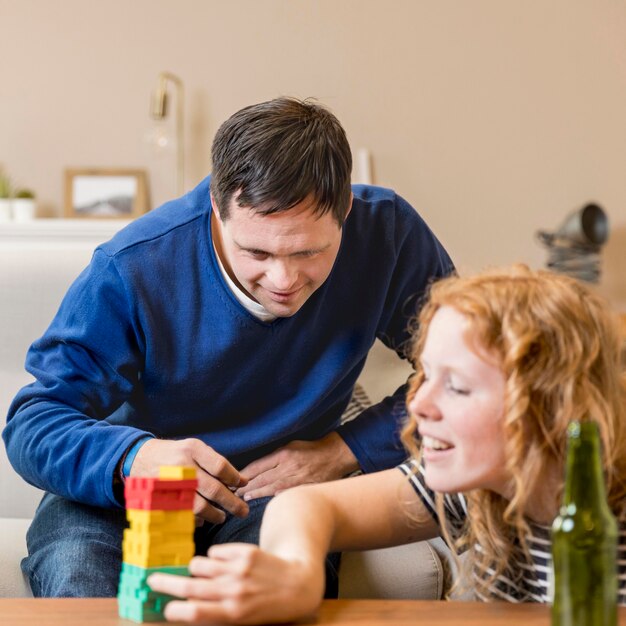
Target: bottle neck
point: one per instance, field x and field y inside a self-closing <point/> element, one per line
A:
<point x="584" y="478"/>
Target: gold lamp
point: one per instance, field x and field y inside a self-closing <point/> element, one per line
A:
<point x="159" y="110"/>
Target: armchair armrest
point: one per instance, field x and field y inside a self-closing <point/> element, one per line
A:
<point x="13" y="584"/>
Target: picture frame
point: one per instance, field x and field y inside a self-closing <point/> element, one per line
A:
<point x="105" y="193"/>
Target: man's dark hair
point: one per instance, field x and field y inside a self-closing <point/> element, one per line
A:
<point x="277" y="153"/>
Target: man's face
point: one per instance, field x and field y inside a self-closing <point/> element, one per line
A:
<point x="279" y="260"/>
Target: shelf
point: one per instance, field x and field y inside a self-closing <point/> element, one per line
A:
<point x="60" y="230"/>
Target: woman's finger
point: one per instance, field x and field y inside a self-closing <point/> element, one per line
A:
<point x="186" y="587"/>
<point x="196" y="612"/>
<point x="208" y="568"/>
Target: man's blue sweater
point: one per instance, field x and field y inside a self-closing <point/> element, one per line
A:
<point x="149" y="339"/>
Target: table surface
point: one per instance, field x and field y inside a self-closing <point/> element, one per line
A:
<point x="103" y="612"/>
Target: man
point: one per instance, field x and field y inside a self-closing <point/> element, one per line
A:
<point x="224" y="330"/>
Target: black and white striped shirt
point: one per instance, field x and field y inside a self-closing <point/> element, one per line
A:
<point x="533" y="585"/>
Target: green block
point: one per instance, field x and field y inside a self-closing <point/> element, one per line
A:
<point x="134" y="572"/>
<point x="134" y="578"/>
<point x="136" y="601"/>
<point x="139" y="613"/>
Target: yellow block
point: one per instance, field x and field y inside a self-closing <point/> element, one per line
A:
<point x="144" y="521"/>
<point x="154" y="541"/>
<point x="146" y="544"/>
<point x="153" y="554"/>
<point x="177" y="472"/>
<point x="159" y="560"/>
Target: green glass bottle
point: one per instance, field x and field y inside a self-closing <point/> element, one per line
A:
<point x="584" y="538"/>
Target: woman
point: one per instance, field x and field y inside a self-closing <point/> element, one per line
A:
<point x="504" y="362"/>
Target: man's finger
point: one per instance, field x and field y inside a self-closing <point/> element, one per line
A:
<point x="258" y="474"/>
<point x="264" y="485"/>
<point x="211" y="512"/>
<point x="259" y="482"/>
<point x="260" y="466"/>
<point x="262" y="492"/>
<point x="216" y="493"/>
<point x="206" y="512"/>
<point x="216" y="465"/>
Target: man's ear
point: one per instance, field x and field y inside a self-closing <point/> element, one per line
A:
<point x="215" y="207"/>
<point x="349" y="207"/>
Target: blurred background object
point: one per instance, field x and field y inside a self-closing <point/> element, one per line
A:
<point x="160" y="136"/>
<point x="574" y="248"/>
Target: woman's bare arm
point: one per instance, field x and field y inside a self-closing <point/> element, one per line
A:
<point x="283" y="579"/>
<point x="361" y="513"/>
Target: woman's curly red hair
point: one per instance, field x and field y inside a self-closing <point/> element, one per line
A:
<point x="559" y="347"/>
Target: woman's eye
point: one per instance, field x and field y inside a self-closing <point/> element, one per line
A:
<point x="460" y="391"/>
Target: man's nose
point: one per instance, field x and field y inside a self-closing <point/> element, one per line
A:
<point x="282" y="275"/>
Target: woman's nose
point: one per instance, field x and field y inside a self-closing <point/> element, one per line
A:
<point x="423" y="405"/>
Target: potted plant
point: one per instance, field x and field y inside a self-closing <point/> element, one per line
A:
<point x="23" y="205"/>
<point x="5" y="198"/>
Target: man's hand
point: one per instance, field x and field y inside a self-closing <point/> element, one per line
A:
<point x="217" y="478"/>
<point x="241" y="584"/>
<point x="298" y="463"/>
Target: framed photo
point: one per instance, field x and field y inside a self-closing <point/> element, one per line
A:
<point x="105" y="193"/>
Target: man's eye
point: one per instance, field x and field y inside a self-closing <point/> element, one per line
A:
<point x="259" y="256"/>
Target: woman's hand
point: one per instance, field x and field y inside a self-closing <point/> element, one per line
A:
<point x="239" y="583"/>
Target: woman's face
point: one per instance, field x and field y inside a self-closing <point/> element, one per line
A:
<point x="459" y="410"/>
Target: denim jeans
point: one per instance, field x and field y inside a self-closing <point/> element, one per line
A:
<point x="75" y="550"/>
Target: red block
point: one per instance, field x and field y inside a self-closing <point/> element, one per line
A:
<point x="157" y="494"/>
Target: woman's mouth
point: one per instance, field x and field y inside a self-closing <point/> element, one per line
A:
<point x="431" y="443"/>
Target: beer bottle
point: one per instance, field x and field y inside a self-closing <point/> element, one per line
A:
<point x="584" y="538"/>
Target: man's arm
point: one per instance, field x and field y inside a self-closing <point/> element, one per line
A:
<point x="419" y="260"/>
<point x="64" y="432"/>
<point x="85" y="366"/>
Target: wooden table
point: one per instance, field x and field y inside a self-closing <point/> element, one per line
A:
<point x="103" y="612"/>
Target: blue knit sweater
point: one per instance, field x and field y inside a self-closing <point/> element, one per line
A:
<point x="149" y="339"/>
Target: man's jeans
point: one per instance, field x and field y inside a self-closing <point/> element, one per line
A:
<point x="75" y="550"/>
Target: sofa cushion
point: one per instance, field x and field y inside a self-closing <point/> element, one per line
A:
<point x="412" y="571"/>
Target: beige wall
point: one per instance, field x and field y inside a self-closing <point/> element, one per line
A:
<point x="493" y="117"/>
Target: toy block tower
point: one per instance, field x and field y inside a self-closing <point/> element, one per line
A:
<point x="159" y="539"/>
